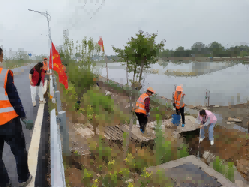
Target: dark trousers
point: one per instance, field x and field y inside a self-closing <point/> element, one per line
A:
<point x="181" y="111"/>
<point x="12" y="134"/>
<point x="142" y="119"/>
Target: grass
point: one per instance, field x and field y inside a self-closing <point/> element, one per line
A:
<point x="11" y="64"/>
<point x="106" y="165"/>
<point x="225" y="169"/>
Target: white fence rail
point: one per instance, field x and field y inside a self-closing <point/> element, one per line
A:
<point x="58" y="129"/>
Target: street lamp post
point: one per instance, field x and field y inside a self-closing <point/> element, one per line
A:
<point x="49" y="30"/>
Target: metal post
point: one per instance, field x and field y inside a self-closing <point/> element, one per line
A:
<point x="238" y="98"/>
<point x="58" y="100"/>
<point x="232" y="100"/>
<point x="55" y="84"/>
<point x="64" y="132"/>
<point x="208" y="97"/>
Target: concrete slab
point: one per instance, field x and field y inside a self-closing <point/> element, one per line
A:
<point x="190" y="125"/>
<point x="192" y="163"/>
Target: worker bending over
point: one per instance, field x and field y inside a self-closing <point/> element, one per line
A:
<point x="143" y="108"/>
<point x="207" y="118"/>
<point x="178" y="103"/>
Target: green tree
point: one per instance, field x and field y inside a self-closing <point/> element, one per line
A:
<point x="198" y="48"/>
<point x="216" y="49"/>
<point x="144" y="51"/>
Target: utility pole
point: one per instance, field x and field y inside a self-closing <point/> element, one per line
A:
<point x="51" y="51"/>
<point x="49" y="31"/>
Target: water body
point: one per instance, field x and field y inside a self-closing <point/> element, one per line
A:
<point x="225" y="80"/>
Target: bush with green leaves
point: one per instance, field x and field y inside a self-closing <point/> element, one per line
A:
<point x="162" y="147"/>
<point x="104" y="107"/>
<point x="110" y="179"/>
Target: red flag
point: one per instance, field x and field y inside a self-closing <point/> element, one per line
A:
<point x="58" y="67"/>
<point x="101" y="43"/>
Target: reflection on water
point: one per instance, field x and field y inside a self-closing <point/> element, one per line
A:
<point x="224" y="80"/>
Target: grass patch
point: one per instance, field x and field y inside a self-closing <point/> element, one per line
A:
<point x="226" y="169"/>
<point x="108" y="165"/>
<point x="11" y="64"/>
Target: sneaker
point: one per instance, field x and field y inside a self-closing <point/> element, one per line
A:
<point x="42" y="102"/>
<point x="212" y="142"/>
<point x="141" y="131"/>
<point x="23" y="184"/>
<point x="201" y="139"/>
<point x="34" y="104"/>
<point x="183" y="125"/>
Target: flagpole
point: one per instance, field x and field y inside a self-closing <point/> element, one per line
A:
<point x="51" y="49"/>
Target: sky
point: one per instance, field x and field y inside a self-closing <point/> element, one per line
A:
<point x="179" y="22"/>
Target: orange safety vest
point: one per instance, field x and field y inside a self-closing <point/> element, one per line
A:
<point x="45" y="66"/>
<point x="178" y="99"/>
<point x="140" y="106"/>
<point x="7" y="112"/>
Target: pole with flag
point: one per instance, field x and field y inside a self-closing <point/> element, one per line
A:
<point x="58" y="67"/>
<point x="103" y="50"/>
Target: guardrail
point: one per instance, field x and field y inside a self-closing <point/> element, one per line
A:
<point x="58" y="129"/>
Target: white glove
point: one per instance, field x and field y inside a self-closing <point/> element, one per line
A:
<point x="148" y="115"/>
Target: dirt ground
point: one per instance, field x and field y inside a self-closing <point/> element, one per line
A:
<point x="230" y="145"/>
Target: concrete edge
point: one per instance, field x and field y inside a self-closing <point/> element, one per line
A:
<point x="194" y="160"/>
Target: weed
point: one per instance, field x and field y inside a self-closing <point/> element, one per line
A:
<point x="227" y="171"/>
<point x="87" y="177"/>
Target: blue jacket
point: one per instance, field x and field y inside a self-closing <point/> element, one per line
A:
<point x="14" y="97"/>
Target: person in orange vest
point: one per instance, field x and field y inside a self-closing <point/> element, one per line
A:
<point x="45" y="67"/>
<point x="45" y="64"/>
<point x="178" y="103"/>
<point x="11" y="111"/>
<point x="143" y="108"/>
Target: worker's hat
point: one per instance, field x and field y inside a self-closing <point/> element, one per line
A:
<point x="45" y="58"/>
<point x="179" y="88"/>
<point x="151" y="90"/>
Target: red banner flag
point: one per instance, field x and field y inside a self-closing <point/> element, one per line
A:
<point x="101" y="43"/>
<point x="58" y="67"/>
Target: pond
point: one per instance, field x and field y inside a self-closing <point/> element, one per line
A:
<point x="224" y="80"/>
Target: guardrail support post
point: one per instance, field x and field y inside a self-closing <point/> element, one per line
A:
<point x="64" y="132"/>
<point x="58" y="100"/>
<point x="55" y="84"/>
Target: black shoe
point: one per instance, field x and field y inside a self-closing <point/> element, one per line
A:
<point x="23" y="184"/>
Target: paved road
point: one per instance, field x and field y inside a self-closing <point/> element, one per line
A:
<point x="22" y="83"/>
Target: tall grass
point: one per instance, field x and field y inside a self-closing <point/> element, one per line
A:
<point x="226" y="169"/>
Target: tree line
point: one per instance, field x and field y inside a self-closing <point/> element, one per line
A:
<point x="214" y="49"/>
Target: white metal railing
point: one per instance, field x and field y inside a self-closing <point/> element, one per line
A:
<point x="56" y="132"/>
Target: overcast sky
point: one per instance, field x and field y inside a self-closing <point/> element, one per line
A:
<point x="179" y="22"/>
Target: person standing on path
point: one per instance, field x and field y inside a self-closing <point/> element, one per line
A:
<point x="178" y="103"/>
<point x="11" y="111"/>
<point x="37" y="79"/>
<point x="142" y="109"/>
<point x="45" y="64"/>
<point x="207" y="118"/>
